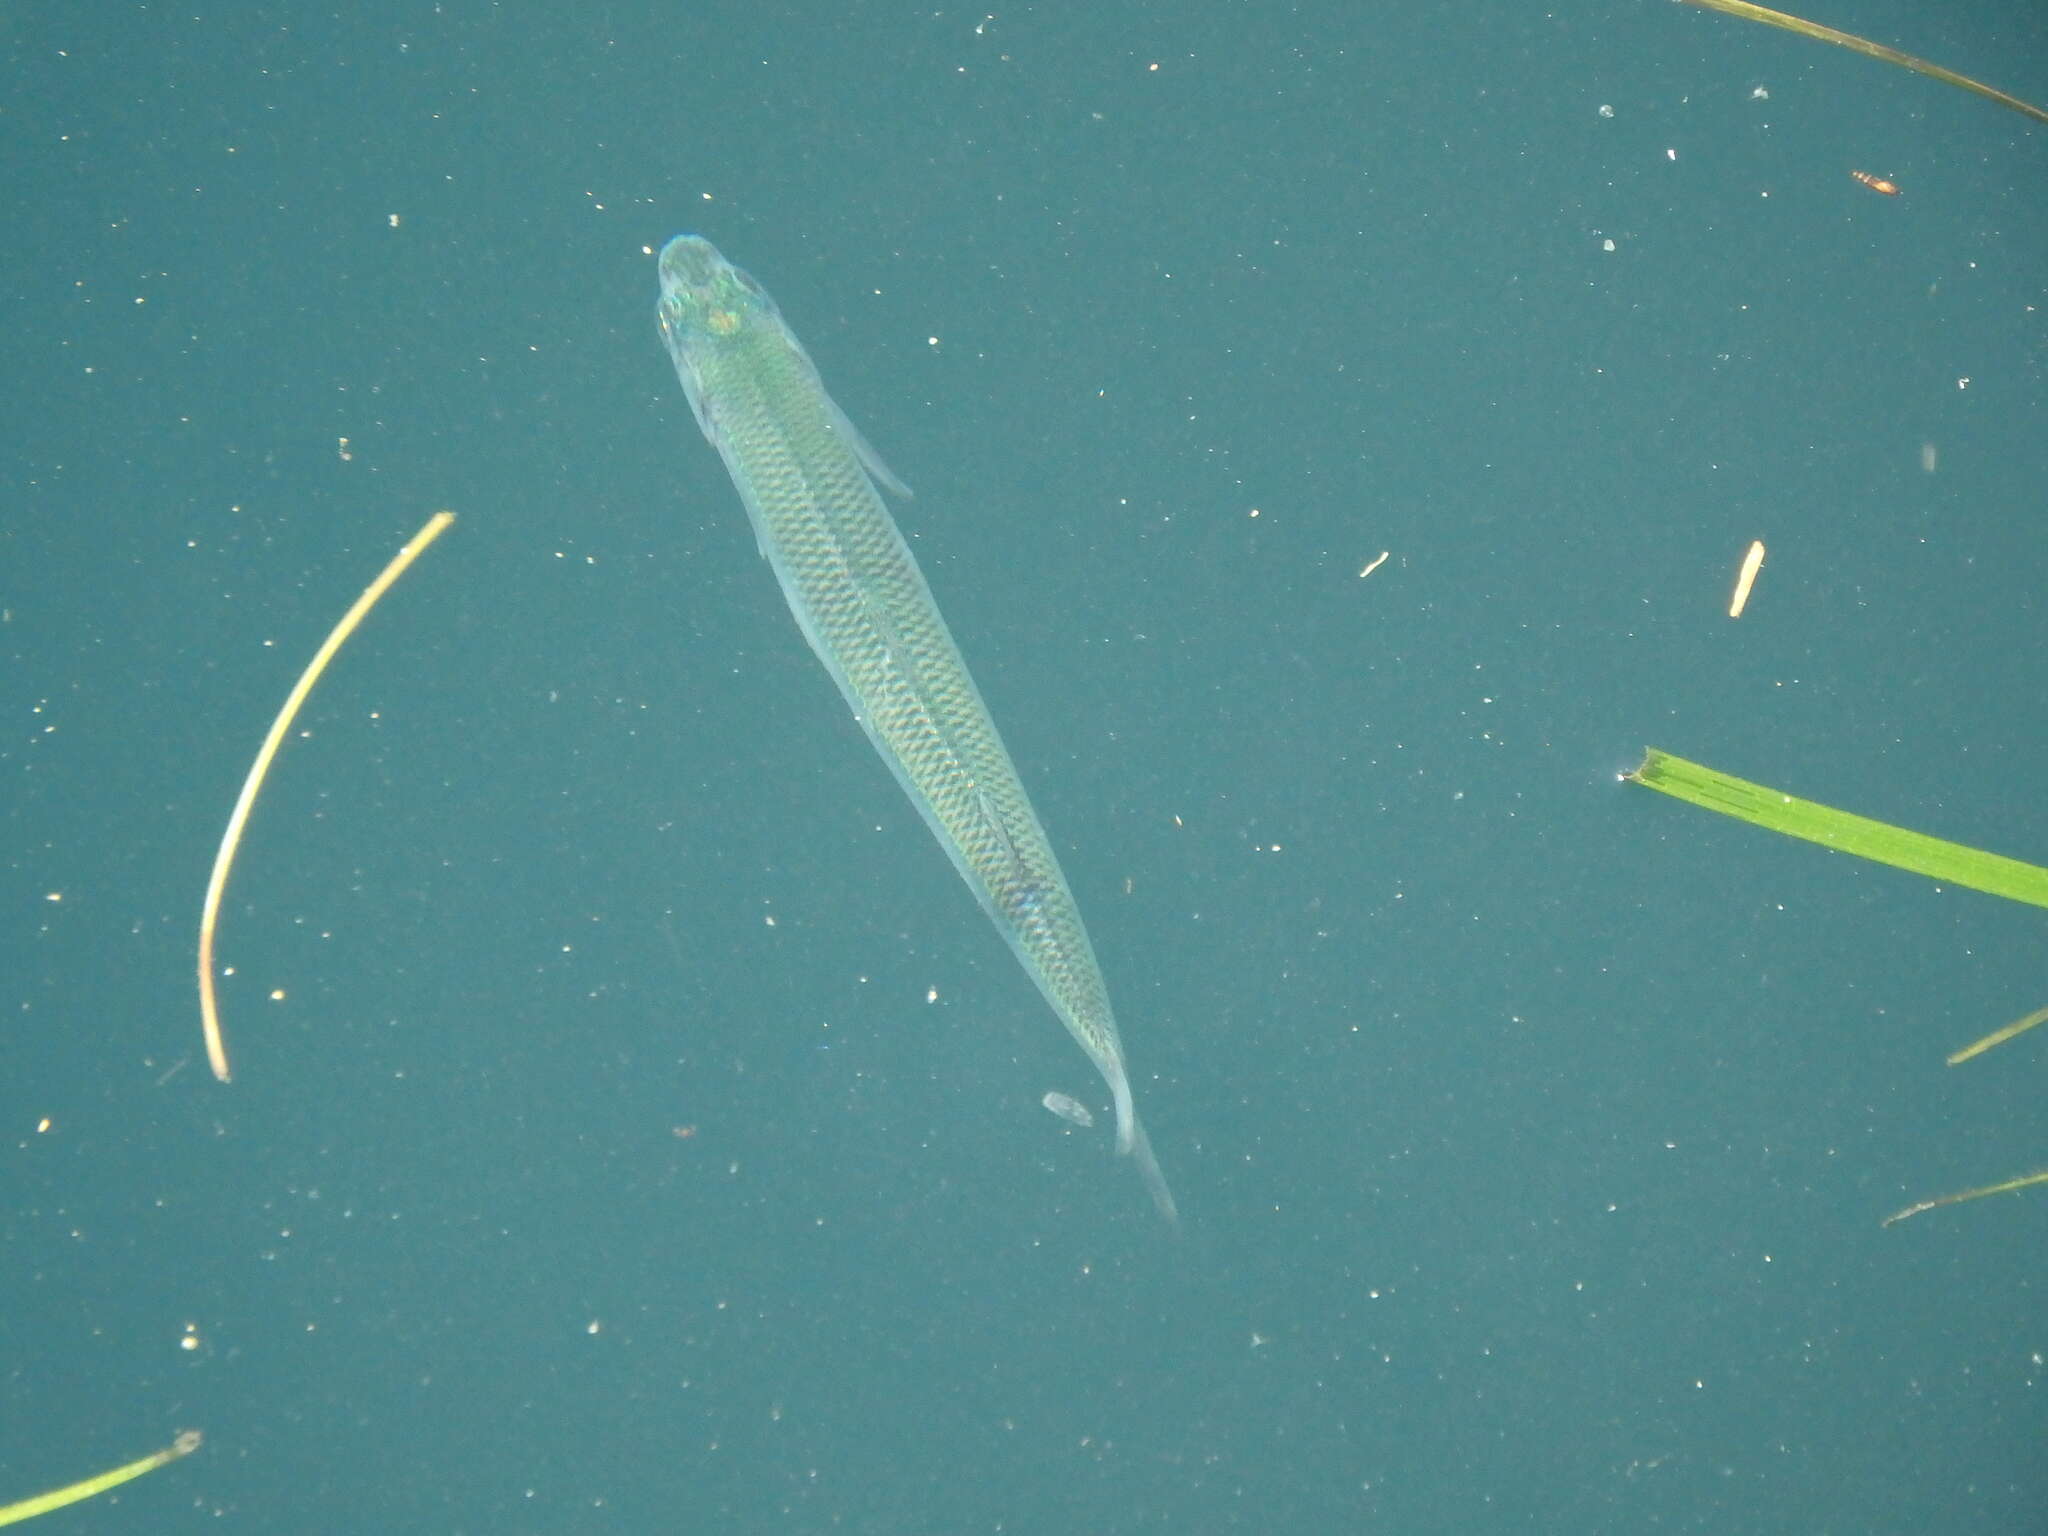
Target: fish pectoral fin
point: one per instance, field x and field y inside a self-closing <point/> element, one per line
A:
<point x="863" y="450"/>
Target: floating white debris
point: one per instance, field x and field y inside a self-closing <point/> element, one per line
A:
<point x="1072" y="1110"/>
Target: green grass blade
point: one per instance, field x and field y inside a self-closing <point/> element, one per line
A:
<point x="71" y="1493"/>
<point x="1951" y="863"/>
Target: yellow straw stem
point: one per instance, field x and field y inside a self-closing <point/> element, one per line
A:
<point x="1999" y="1037"/>
<point x="1865" y="46"/>
<point x="209" y="1014"/>
<point x="1969" y="1194"/>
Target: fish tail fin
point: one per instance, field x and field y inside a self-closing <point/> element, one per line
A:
<point x="1140" y="1150"/>
<point x="1133" y="1143"/>
<point x="1126" y="1112"/>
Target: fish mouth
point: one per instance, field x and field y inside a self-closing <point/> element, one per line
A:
<point x="690" y="262"/>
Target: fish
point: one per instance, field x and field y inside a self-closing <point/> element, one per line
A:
<point x="808" y="480"/>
